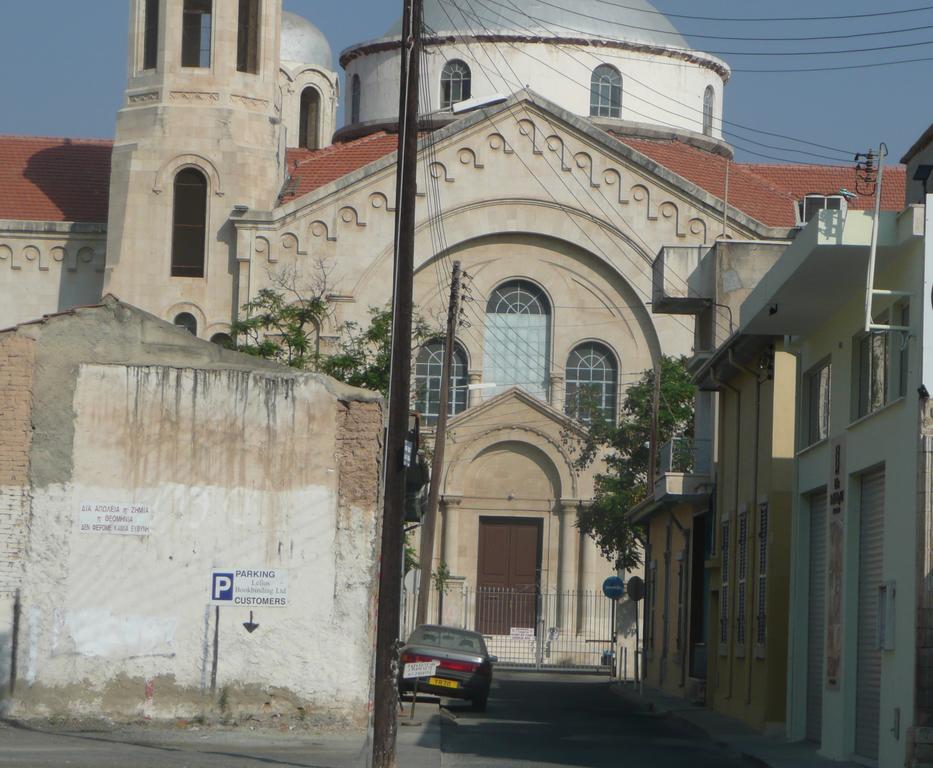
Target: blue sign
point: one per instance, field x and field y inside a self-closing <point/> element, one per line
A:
<point x="613" y="587"/>
<point x="222" y="587"/>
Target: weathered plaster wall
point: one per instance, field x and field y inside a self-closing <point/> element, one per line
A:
<point x="261" y="468"/>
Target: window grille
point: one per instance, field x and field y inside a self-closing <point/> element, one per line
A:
<point x="743" y="570"/>
<point x="762" y="572"/>
<point x="591" y="381"/>
<point x="456" y="83"/>
<point x="606" y="92"/>
<point x="429" y="369"/>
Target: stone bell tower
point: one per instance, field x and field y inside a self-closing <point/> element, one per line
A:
<point x="199" y="140"/>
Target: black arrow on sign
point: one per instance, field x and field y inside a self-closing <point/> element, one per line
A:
<point x="251" y="626"/>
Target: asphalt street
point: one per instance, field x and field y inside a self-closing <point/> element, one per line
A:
<point x="533" y="720"/>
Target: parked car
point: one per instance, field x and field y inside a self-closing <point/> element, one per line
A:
<point x="464" y="668"/>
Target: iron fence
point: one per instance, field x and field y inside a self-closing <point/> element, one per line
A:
<point x="528" y="629"/>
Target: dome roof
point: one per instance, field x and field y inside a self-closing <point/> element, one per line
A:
<point x="638" y="22"/>
<point x="304" y="43"/>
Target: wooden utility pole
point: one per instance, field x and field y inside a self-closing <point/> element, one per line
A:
<point x="429" y="525"/>
<point x="385" y="705"/>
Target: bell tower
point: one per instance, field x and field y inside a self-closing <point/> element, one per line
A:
<point x="198" y="140"/>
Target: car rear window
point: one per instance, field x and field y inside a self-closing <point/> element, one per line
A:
<point x="449" y="639"/>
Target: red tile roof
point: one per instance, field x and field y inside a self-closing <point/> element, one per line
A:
<point x="766" y="193"/>
<point x="312" y="169"/>
<point x="43" y="179"/>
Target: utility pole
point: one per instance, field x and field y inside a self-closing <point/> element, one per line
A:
<point x="385" y="705"/>
<point x="655" y="419"/>
<point x="429" y="525"/>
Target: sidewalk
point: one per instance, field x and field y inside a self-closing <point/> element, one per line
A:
<point x="419" y="746"/>
<point x="766" y="751"/>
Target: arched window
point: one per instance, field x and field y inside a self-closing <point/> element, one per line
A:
<point x="222" y="340"/>
<point x="189" y="223"/>
<point x="187" y="321"/>
<point x="518" y="338"/>
<point x="310" y="119"/>
<point x="592" y="380"/>
<point x="708" y="98"/>
<point x="196" y="31"/>
<point x="455" y="83"/>
<point x="356" y="96"/>
<point x="429" y="368"/>
<point x="606" y="92"/>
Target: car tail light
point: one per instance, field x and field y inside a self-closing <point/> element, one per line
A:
<point x="459" y="666"/>
<point x="414" y="658"/>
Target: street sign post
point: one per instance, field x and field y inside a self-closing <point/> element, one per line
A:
<point x="614" y="589"/>
<point x="417" y="670"/>
<point x="636" y="591"/>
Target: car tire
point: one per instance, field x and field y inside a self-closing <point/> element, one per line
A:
<point x="479" y="704"/>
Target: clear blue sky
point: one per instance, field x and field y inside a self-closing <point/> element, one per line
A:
<point x="64" y="61"/>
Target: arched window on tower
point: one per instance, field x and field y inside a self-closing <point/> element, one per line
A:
<point x="356" y="89"/>
<point x="517" y="340"/>
<point x="708" y="98"/>
<point x="606" y="92"/>
<point x="187" y="321"/>
<point x="189" y="223"/>
<point x="151" y="35"/>
<point x="455" y="83"/>
<point x="196" y="31"/>
<point x="592" y="381"/>
<point x="247" y="44"/>
<point x="429" y="368"/>
<point x="309" y="127"/>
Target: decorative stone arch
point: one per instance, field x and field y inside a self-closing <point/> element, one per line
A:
<point x="166" y="174"/>
<point x="460" y="457"/>
<point x="193" y="309"/>
<point x="510" y="216"/>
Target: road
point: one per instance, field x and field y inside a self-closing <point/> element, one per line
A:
<point x="534" y="720"/>
<point x="547" y="720"/>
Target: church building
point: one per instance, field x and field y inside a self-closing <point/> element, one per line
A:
<point x="599" y="145"/>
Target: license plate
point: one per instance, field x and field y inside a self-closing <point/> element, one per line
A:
<point x="440" y="682"/>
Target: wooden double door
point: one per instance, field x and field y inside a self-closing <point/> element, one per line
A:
<point x="508" y="582"/>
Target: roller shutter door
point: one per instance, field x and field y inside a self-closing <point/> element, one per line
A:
<point x="871" y="547"/>
<point x="816" y="616"/>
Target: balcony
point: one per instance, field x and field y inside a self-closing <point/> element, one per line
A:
<point x="684" y="470"/>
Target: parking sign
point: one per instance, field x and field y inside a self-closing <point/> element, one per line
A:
<point x="221" y="587"/>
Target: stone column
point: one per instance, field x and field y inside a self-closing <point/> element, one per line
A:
<point x="474" y="396"/>
<point x="557" y="391"/>
<point x="567" y="562"/>
<point x="450" y="540"/>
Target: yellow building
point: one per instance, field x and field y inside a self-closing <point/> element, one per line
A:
<point x="749" y="562"/>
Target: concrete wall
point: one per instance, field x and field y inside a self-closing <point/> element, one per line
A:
<point x="244" y="466"/>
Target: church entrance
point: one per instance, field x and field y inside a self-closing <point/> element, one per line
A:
<point x="508" y="574"/>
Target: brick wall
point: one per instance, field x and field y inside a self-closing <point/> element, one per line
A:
<point x="17" y="358"/>
<point x="359" y="453"/>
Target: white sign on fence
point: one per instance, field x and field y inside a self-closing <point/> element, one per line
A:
<point x="522" y="633"/>
<point x="420" y="669"/>
<point x="249" y="587"/>
<point x="117" y="519"/>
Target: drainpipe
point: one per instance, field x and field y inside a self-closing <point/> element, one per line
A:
<point x="738" y="456"/>
<point x="758" y="382"/>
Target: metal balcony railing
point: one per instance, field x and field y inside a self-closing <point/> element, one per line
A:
<point x="686" y="456"/>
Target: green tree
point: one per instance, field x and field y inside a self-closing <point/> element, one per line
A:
<point x="624" y="447"/>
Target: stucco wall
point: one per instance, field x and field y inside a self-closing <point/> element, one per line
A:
<point x="242" y="469"/>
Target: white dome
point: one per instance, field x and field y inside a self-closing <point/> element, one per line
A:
<point x="638" y="22"/>
<point x="304" y="43"/>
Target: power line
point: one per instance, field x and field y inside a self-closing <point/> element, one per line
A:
<point x="723" y="122"/>
<point x="770" y="38"/>
<point x="753" y="19"/>
<point x="836" y="69"/>
<point x="577" y="31"/>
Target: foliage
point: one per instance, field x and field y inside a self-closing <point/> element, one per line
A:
<point x="441" y="578"/>
<point x="624" y="447"/>
<point x="412" y="562"/>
